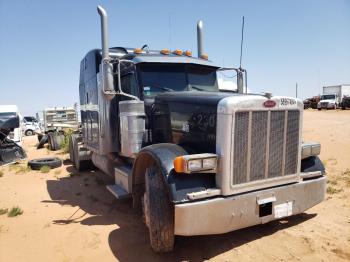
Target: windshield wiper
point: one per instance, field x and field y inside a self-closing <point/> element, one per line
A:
<point x="197" y="88"/>
<point x="163" y="88"/>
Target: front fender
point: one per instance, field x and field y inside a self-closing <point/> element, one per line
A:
<point x="163" y="155"/>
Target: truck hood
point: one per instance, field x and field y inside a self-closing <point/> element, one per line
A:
<point x="327" y="101"/>
<point x="187" y="119"/>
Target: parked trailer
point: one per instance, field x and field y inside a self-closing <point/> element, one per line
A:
<point x="198" y="161"/>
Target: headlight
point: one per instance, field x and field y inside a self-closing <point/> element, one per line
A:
<point x="194" y="165"/>
<point x="205" y="163"/>
<point x="310" y="149"/>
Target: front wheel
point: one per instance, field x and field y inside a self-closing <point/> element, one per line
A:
<point x="29" y="132"/>
<point x="159" y="212"/>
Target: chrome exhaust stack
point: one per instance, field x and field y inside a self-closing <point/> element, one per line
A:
<point x="200" y="38"/>
<point x="106" y="68"/>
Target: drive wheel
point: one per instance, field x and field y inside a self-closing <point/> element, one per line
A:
<point x="55" y="140"/>
<point x="79" y="155"/>
<point x="71" y="148"/>
<point x="158" y="212"/>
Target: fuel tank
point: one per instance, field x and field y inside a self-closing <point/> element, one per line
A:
<point x="187" y="119"/>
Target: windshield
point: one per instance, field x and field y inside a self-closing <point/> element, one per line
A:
<point x="325" y="97"/>
<point x="9" y="120"/>
<point x="30" y="119"/>
<point x="6" y="116"/>
<point x="157" y="78"/>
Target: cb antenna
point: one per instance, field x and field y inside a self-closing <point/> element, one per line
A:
<point x="242" y="37"/>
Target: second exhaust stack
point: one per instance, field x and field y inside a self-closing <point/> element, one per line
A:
<point x="200" y="38"/>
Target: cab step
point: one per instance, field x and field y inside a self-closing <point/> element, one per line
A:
<point x="118" y="191"/>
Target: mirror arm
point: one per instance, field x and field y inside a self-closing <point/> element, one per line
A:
<point x="120" y="91"/>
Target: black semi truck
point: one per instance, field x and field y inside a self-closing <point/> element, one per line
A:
<point x="196" y="159"/>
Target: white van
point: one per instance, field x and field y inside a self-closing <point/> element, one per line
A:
<point x="8" y="111"/>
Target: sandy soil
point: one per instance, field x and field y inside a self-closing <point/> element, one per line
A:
<point x="71" y="217"/>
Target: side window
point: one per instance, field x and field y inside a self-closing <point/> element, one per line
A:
<point x="129" y="84"/>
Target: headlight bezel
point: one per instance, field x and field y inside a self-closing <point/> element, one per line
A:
<point x="182" y="164"/>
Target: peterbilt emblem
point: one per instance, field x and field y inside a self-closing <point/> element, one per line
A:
<point x="269" y="103"/>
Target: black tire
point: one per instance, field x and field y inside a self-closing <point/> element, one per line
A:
<point x="52" y="162"/>
<point x="319" y="109"/>
<point x="42" y="142"/>
<point x="80" y="165"/>
<point x="343" y="108"/>
<point x="40" y="136"/>
<point x="55" y="140"/>
<point x="29" y="132"/>
<point x="71" y="148"/>
<point x="158" y="212"/>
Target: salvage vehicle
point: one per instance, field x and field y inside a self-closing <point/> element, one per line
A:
<point x="197" y="160"/>
<point x="328" y="101"/>
<point x="30" y="125"/>
<point x="311" y="102"/>
<point x="345" y="103"/>
<point x="332" y="96"/>
<point x="10" y="135"/>
<point x="56" y="121"/>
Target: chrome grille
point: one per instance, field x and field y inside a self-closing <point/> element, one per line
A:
<point x="276" y="143"/>
<point x="241" y="148"/>
<point x="258" y="145"/>
<point x="265" y="145"/>
<point x="292" y="143"/>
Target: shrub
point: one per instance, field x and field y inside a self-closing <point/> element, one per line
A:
<point x="15" y="211"/>
<point x="3" y="211"/>
<point x="332" y="190"/>
<point x="65" y="143"/>
<point x="45" y="169"/>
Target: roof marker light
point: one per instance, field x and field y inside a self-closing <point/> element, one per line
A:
<point x="137" y="51"/>
<point x="178" y="52"/>
<point x="165" y="51"/>
<point x="204" y="56"/>
<point x="188" y="53"/>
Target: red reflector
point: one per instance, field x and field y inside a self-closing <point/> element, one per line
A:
<point x="269" y="103"/>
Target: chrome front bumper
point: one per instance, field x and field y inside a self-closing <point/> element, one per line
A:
<point x="225" y="214"/>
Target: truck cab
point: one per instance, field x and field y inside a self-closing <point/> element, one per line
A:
<point x="198" y="159"/>
<point x="30" y="125"/>
<point x="328" y="101"/>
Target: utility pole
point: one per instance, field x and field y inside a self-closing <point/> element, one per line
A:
<point x="296" y="90"/>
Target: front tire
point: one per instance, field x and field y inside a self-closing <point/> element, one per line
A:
<point x="159" y="212"/>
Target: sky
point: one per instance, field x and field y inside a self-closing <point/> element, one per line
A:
<point x="285" y="42"/>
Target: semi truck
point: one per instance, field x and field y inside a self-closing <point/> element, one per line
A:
<point x="194" y="159"/>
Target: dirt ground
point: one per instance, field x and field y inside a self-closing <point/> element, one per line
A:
<point x="72" y="217"/>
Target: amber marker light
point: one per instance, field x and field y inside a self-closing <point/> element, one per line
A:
<point x="179" y="164"/>
<point x="188" y="53"/>
<point x="137" y="51"/>
<point x="178" y="52"/>
<point x="165" y="51"/>
<point x="204" y="56"/>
